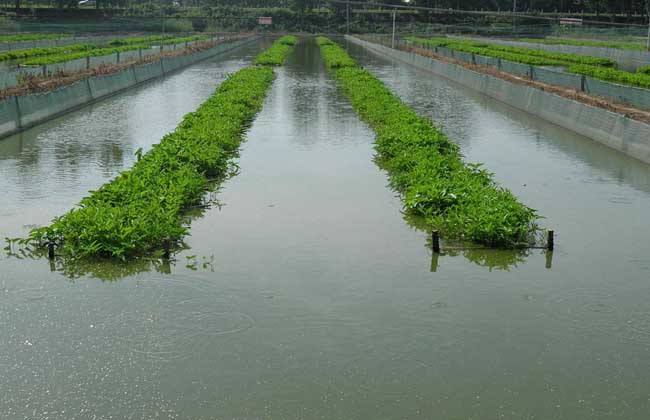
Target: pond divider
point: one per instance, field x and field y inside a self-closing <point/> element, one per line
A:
<point x="141" y="211"/>
<point x="460" y="199"/>
<point x="612" y="129"/>
<point x="18" y="113"/>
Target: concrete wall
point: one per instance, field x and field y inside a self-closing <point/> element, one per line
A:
<point x="609" y="128"/>
<point x="18" y="113"/>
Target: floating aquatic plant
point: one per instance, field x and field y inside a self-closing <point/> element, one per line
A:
<point x="426" y="168"/>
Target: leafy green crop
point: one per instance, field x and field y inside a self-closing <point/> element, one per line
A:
<point x="638" y="79"/>
<point x="516" y="54"/>
<point x="587" y="66"/>
<point x="332" y="57"/>
<point x="141" y="208"/>
<point x="426" y="168"/>
<point x="586" y="43"/>
<point x="644" y="70"/>
<point x="96" y="52"/>
<point x="30" y="37"/>
<point x="37" y="52"/>
<point x="278" y="52"/>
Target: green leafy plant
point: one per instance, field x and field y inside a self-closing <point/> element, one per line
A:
<point x="602" y="69"/>
<point x="644" y="70"/>
<point x="638" y="79"/>
<point x="586" y="43"/>
<point x="30" y="37"/>
<point x="60" y="57"/>
<point x="517" y="54"/>
<point x="141" y="209"/>
<point x="37" y="52"/>
<point x="278" y="52"/>
<point x="427" y="169"/>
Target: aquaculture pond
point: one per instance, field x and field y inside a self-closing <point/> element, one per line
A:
<point x="306" y="293"/>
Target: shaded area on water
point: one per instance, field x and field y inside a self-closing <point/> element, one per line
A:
<point x="306" y="295"/>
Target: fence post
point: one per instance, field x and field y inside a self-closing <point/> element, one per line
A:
<point x="583" y="83"/>
<point x="435" y="239"/>
<point x="551" y="240"/>
<point x="19" y="117"/>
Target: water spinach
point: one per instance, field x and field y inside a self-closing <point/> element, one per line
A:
<point x="426" y="168"/>
<point x="60" y="57"/>
<point x="141" y="210"/>
<point x="598" y="68"/>
<point x="278" y="52"/>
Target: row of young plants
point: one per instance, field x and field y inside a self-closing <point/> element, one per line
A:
<point x="37" y="52"/>
<point x="639" y="79"/>
<point x="99" y="51"/>
<point x="460" y="199"/>
<point x="519" y="54"/>
<point x="141" y="42"/>
<point x="586" y="43"/>
<point x="278" y="52"/>
<point x="141" y="209"/>
<point x="30" y="37"/>
<point x="588" y="66"/>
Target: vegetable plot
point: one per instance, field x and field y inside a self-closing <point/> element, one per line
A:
<point x="141" y="210"/>
<point x="99" y="51"/>
<point x="426" y="168"/>
<point x="598" y="68"/>
<point x="278" y="52"/>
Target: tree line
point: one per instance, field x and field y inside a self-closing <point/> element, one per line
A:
<point x="618" y="7"/>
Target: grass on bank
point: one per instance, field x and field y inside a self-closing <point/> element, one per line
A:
<point x="426" y="168"/>
<point x="142" y="207"/>
<point x="588" y="66"/>
<point x="278" y="52"/>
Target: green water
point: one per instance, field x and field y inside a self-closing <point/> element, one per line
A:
<point x="306" y="294"/>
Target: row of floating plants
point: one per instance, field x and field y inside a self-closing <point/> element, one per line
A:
<point x="598" y="68"/>
<point x="518" y="54"/>
<point x="64" y="55"/>
<point x="621" y="45"/>
<point x="641" y="78"/>
<point x="140" y="42"/>
<point x="30" y="37"/>
<point x="141" y="211"/>
<point x="37" y="52"/>
<point x="460" y="199"/>
<point x="143" y="39"/>
<point x="278" y="52"/>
